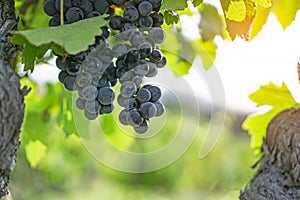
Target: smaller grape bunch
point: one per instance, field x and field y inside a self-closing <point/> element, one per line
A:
<point x="134" y="55"/>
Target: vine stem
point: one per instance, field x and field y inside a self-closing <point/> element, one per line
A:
<point x="61" y="12"/>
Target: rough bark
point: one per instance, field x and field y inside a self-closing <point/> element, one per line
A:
<point x="278" y="176"/>
<point x="11" y="97"/>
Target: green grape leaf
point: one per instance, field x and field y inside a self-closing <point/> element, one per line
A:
<point x="279" y="98"/>
<point x="259" y="20"/>
<point x="171" y="17"/>
<point x="234" y="23"/>
<point x="197" y="2"/>
<point x="285" y="11"/>
<point x="35" y="151"/>
<point x="72" y="38"/>
<point x="174" y="5"/>
<point x="211" y="23"/>
<point x="263" y="3"/>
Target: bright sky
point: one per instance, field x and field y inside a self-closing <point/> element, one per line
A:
<point x="243" y="66"/>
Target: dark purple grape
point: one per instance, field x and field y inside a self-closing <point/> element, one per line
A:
<point x="142" y="128"/>
<point x="49" y="7"/>
<point x="107" y="109"/>
<point x="131" y="14"/>
<point x="148" y="110"/>
<point x="101" y="6"/>
<point x="145" y="8"/>
<point x="155" y="93"/>
<point x="74" y="14"/>
<point x="145" y="22"/>
<point x="80" y="103"/>
<point x="116" y="22"/>
<point x="158" y="19"/>
<point x="143" y="95"/>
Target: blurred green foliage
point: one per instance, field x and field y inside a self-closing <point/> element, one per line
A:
<point x="67" y="171"/>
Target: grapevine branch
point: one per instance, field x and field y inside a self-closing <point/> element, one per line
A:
<point x="11" y="97"/>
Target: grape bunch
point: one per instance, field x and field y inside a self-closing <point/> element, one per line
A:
<point x="134" y="55"/>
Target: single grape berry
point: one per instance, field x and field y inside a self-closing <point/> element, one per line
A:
<point x="69" y="82"/>
<point x="107" y="109"/>
<point x="92" y="65"/>
<point x="90" y="116"/>
<point x="156" y="56"/>
<point x="131" y="14"/>
<point x="142" y="128"/>
<point x="138" y="80"/>
<point x="145" y="22"/>
<point x="74" y="14"/>
<point x="92" y="106"/>
<point x="128" y="89"/>
<point x="84" y="79"/>
<point x="158" y="19"/>
<point x="122" y="117"/>
<point x="106" y="95"/>
<point x="155" y="93"/>
<point x="73" y="68"/>
<point x="116" y="22"/>
<point x="80" y="103"/>
<point x="142" y="68"/>
<point x="145" y="49"/>
<point x="62" y="75"/>
<point x="160" y="108"/>
<point x="89" y="93"/>
<point x="152" y="70"/>
<point x="101" y="6"/>
<point x="157" y="35"/>
<point x="132" y="57"/>
<point x="62" y="65"/>
<point x="162" y="63"/>
<point x="148" y="110"/>
<point x="49" y="7"/>
<point x="145" y="8"/>
<point x="143" y="95"/>
<point x="121" y="100"/>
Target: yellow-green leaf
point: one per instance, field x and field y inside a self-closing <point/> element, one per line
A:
<point x="236" y="11"/>
<point x="285" y="11"/>
<point x="279" y="98"/>
<point x="35" y="152"/>
<point x="273" y="95"/>
<point x="263" y="3"/>
<point x="259" y="20"/>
